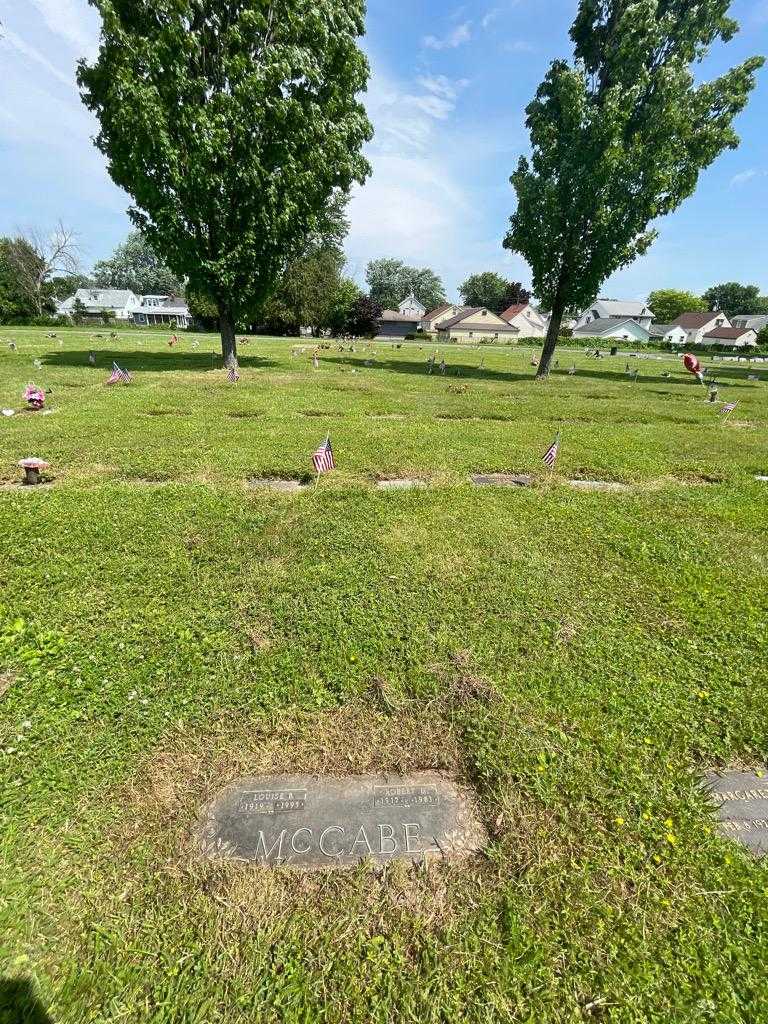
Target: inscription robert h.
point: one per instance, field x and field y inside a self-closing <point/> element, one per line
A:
<point x="309" y="822"/>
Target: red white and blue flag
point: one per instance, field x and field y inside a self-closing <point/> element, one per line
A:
<point x="232" y="375"/>
<point x="323" y="458"/>
<point x="119" y="376"/>
<point x="550" y="455"/>
<point x="729" y="407"/>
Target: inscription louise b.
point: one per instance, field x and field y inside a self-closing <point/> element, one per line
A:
<point x="302" y="821"/>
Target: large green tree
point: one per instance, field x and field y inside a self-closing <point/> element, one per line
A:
<point x="233" y="124"/>
<point x="312" y="293"/>
<point x="492" y="291"/>
<point x="16" y="303"/>
<point x="668" y="304"/>
<point x="733" y="298"/>
<point x="136" y="266"/>
<point x="618" y="139"/>
<point x="390" y="281"/>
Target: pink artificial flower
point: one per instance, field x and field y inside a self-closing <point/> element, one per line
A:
<point x="34" y="396"/>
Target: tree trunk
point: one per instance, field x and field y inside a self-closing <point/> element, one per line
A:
<point x="227" y="328"/>
<point x="553" y="333"/>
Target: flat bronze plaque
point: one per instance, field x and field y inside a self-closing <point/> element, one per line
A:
<point x="310" y="821"/>
<point x="741" y="799"/>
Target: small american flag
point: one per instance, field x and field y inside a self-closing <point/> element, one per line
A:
<point x="323" y="457"/>
<point x="119" y="376"/>
<point x="729" y="407"/>
<point x="232" y="375"/>
<point x="550" y="455"/>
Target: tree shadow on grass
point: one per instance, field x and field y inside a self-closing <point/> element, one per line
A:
<point x="19" y="1004"/>
<point x="152" y="362"/>
<point x="467" y="371"/>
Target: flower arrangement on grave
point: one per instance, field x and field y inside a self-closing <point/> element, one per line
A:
<point x="34" y="397"/>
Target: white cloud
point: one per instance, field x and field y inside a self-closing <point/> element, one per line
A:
<point x="404" y="121"/>
<point x="520" y="46"/>
<point x="72" y="22"/>
<point x="460" y="35"/>
<point x="489" y="18"/>
<point x="744" y="176"/>
<point x="11" y="39"/>
<point x="442" y="86"/>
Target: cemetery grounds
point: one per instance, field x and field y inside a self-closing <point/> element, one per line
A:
<point x="579" y="657"/>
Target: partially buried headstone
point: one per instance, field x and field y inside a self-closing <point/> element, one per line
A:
<point x="741" y="799"/>
<point x="313" y="822"/>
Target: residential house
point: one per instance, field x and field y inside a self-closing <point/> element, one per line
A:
<point x="673" y="334"/>
<point x="529" y="322"/>
<point x="696" y="325"/>
<point x="731" y="337"/>
<point x="163" y="309"/>
<point x="400" y="322"/>
<point x="616" y="309"/>
<point x="98" y="302"/>
<point x="607" y="327"/>
<point x="431" y="320"/>
<point x="476" y="324"/>
<point x="757" y="321"/>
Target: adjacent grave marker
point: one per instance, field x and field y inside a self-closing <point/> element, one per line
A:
<point x="742" y="807"/>
<point x="315" y="822"/>
<point x="502" y="480"/>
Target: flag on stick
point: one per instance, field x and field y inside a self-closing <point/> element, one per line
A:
<point x="550" y="455"/>
<point x="728" y="409"/>
<point x="323" y="460"/>
<point x="119" y="376"/>
<point x="232" y="375"/>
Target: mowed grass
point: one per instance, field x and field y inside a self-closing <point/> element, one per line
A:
<point x="579" y="657"/>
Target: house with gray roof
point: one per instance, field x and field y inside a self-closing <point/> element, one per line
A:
<point x="607" y="327"/>
<point x="96" y="302"/>
<point x="616" y="309"/>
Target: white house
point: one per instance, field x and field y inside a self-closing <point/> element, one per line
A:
<point x="476" y="324"/>
<point x="696" y="325"/>
<point x="411" y="306"/>
<point x="731" y="337"/>
<point x="673" y="334"/>
<point x="607" y="327"/>
<point x="97" y="302"/>
<point x="526" y="319"/>
<point x="162" y="309"/>
<point x="616" y="309"/>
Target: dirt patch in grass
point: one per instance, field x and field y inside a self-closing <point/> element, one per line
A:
<point x="284" y="485"/>
<point x="161" y="804"/>
<point x="244" y="414"/>
<point x="7" y="679"/>
<point x="316" y="414"/>
<point x="386" y="416"/>
<point x="152" y="479"/>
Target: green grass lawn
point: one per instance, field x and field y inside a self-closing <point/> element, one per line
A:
<point x="579" y="657"/>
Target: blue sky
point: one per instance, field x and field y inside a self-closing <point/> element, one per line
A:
<point x="447" y="98"/>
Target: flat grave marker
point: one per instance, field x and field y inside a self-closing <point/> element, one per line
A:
<point x="314" y="822"/>
<point x="502" y="480"/>
<point x="741" y="799"/>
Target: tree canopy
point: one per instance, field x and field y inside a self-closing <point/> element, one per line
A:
<point x="669" y="303"/>
<point x="233" y="125"/>
<point x="492" y="291"/>
<point x="734" y="299"/>
<point x="618" y="139"/>
<point x="135" y="265"/>
<point x="390" y="281"/>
